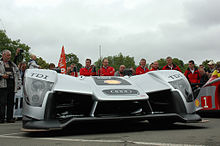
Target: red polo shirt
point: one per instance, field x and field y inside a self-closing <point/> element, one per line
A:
<point x="140" y="70"/>
<point x="106" y="71"/>
<point x="87" y="71"/>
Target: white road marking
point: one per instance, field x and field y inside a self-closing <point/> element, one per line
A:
<point x="11" y="135"/>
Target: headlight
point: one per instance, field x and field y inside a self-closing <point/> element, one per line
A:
<point x="35" y="91"/>
<point x="184" y="88"/>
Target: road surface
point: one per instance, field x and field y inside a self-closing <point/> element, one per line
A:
<point x="115" y="134"/>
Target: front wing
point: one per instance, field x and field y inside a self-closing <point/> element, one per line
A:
<point x="56" y="125"/>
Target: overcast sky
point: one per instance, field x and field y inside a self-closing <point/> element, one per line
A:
<point x="151" y="29"/>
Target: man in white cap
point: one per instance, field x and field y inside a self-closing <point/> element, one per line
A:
<point x="32" y="63"/>
<point x="211" y="68"/>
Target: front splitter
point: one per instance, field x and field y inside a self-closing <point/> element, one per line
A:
<point x="56" y="125"/>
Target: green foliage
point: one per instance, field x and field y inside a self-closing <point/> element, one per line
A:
<point x="162" y="62"/>
<point x="205" y="63"/>
<point x="72" y="58"/>
<point x="43" y="64"/>
<point x="180" y="63"/>
<point x="12" y="45"/>
<point x="185" y="68"/>
<point x="117" y="60"/>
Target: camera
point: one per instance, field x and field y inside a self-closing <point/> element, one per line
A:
<point x="21" y="51"/>
<point x="127" y="72"/>
<point x="93" y="69"/>
<point x="10" y="76"/>
<point x="74" y="69"/>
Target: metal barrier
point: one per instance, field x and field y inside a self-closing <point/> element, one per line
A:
<point x="18" y="103"/>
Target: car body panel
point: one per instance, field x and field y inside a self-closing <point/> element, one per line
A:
<point x="208" y="98"/>
<point x="68" y="99"/>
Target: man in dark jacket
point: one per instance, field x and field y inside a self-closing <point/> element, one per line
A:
<point x="10" y="81"/>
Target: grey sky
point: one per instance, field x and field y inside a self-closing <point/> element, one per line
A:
<point x="151" y="29"/>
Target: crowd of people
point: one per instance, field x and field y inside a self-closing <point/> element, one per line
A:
<point x="196" y="76"/>
<point x="12" y="74"/>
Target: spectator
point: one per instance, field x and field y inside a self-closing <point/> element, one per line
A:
<point x="211" y="68"/>
<point x="72" y="70"/>
<point x="32" y="64"/>
<point x="150" y="66"/>
<point x="106" y="70"/>
<point x="192" y="74"/>
<point x="120" y="72"/>
<point x="22" y="67"/>
<point x="216" y="73"/>
<point x="88" y="70"/>
<point x="10" y="81"/>
<point x="142" y="69"/>
<point x="18" y="56"/>
<point x="204" y="77"/>
<point x="170" y="65"/>
<point x="52" y="66"/>
<point x="202" y="66"/>
<point x="155" y="66"/>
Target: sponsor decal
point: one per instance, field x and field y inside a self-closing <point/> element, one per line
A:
<point x="197" y="103"/>
<point x="121" y="92"/>
<point x="206" y="101"/>
<point x="112" y="82"/>
<point x="175" y="76"/>
<point x="40" y="76"/>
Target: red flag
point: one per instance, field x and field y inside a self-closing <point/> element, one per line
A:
<point x="62" y="62"/>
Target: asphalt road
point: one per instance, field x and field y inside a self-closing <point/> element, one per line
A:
<point x="115" y="134"/>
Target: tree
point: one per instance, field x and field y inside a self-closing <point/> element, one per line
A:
<point x="205" y="63"/>
<point x="180" y="63"/>
<point x="42" y="63"/>
<point x="12" y="45"/>
<point x="72" y="58"/>
<point x="162" y="62"/>
<point x="117" y="60"/>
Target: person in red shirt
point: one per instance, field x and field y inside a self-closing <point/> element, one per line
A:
<point x="106" y="70"/>
<point x="142" y="69"/>
<point x="72" y="70"/>
<point x="170" y="65"/>
<point x="192" y="74"/>
<point x="88" y="70"/>
<point x="155" y="66"/>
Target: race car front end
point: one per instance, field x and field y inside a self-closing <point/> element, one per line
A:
<point x="53" y="101"/>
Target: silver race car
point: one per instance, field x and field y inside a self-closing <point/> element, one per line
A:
<point x="53" y="101"/>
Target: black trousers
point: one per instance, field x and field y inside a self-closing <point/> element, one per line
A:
<point x="6" y="100"/>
